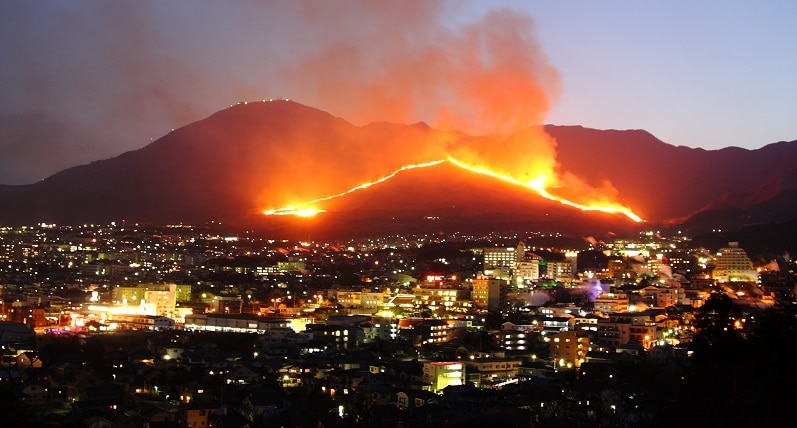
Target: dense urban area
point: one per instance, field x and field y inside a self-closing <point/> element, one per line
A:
<point x="178" y="326"/>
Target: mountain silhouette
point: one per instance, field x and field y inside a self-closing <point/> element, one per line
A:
<point x="241" y="161"/>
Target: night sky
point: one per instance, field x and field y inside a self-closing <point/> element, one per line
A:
<point x="88" y="80"/>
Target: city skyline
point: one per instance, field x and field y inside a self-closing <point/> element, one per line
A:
<point x="186" y="326"/>
<point x="87" y="81"/>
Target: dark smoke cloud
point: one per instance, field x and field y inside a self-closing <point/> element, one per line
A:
<point x="87" y="80"/>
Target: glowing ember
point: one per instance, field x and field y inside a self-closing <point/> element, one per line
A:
<point x="537" y="184"/>
<point x="308" y="212"/>
<point x="295" y="210"/>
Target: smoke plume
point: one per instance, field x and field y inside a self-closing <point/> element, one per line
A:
<point x="155" y="66"/>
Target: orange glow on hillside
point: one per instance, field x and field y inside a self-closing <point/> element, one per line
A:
<point x="477" y="97"/>
<point x="484" y="92"/>
<point x="306" y="210"/>
<point x="540" y="184"/>
<point x="296" y="210"/>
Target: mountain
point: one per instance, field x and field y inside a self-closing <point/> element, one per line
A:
<point x="444" y="199"/>
<point x="241" y="161"/>
<point x="684" y="187"/>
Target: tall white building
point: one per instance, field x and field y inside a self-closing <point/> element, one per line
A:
<point x="504" y="259"/>
<point x="512" y="264"/>
<point x="733" y="265"/>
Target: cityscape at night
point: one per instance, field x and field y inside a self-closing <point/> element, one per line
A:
<point x="442" y="214"/>
<point x="184" y="326"/>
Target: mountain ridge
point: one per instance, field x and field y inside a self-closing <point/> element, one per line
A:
<point x="239" y="161"/>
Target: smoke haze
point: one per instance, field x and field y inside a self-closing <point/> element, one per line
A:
<point x="148" y="67"/>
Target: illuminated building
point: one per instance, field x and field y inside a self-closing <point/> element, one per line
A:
<point x="492" y="371"/>
<point x="681" y="262"/>
<point x="266" y="270"/>
<point x="503" y="259"/>
<point x="525" y="271"/>
<point x="159" y="299"/>
<point x="196" y="413"/>
<point x="140" y="322"/>
<point x="620" y="268"/>
<point x="222" y="304"/>
<point x="433" y="296"/>
<point x="565" y="270"/>
<point x="663" y="297"/>
<point x="24" y="313"/>
<point x="560" y="271"/>
<point x="611" y="302"/>
<point x="488" y="293"/>
<point x="560" y="310"/>
<point x="522" y="328"/>
<point x="553" y="325"/>
<point x="516" y="340"/>
<point x="432" y="331"/>
<point x="340" y="336"/>
<point x="733" y="265"/>
<point x="442" y="374"/>
<point x="292" y="265"/>
<point x="421" y="331"/>
<point x="586" y="322"/>
<point x="569" y="348"/>
<point x="654" y="265"/>
<point x="239" y="323"/>
<point x="364" y="300"/>
<point x="624" y="328"/>
<point x="384" y="328"/>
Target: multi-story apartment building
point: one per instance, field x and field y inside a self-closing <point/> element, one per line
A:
<point x="569" y="348"/>
<point x="504" y="258"/>
<point x="526" y="271"/>
<point x="733" y="265"/>
<point x="611" y="302"/>
<point x="383" y="328"/>
<point x="488" y="293"/>
<point x="425" y="331"/>
<point x="516" y="340"/>
<point x="626" y="328"/>
<point x="560" y="271"/>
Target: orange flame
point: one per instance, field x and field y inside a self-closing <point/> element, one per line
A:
<point x="306" y="209"/>
<point x="539" y="184"/>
